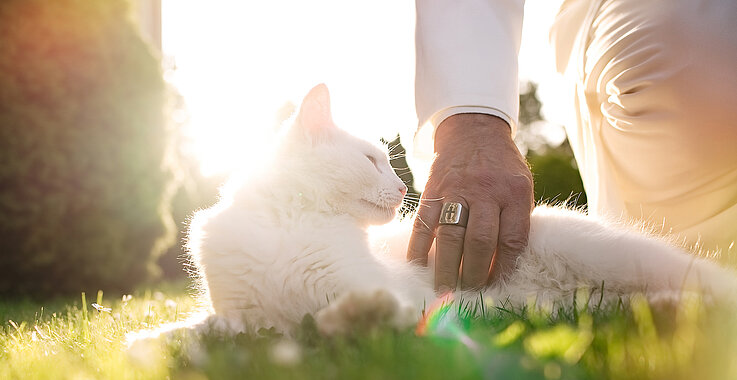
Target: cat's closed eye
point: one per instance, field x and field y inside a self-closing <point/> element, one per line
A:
<point x="373" y="161"/>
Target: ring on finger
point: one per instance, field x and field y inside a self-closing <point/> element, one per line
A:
<point x="454" y="213"/>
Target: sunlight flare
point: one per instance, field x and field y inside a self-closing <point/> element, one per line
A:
<point x="239" y="63"/>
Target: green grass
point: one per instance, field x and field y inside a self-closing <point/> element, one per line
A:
<point x="63" y="339"/>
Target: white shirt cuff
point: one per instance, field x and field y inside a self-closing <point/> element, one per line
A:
<point x="445" y="113"/>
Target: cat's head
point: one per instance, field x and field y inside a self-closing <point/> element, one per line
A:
<point x="338" y="172"/>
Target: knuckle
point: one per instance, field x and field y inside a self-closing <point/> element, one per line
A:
<point x="450" y="240"/>
<point x="503" y="188"/>
<point x="518" y="191"/>
<point x="513" y="245"/>
<point x="451" y="235"/>
<point x="483" y="240"/>
<point x="520" y="184"/>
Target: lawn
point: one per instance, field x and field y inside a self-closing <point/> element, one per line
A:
<point x="72" y="338"/>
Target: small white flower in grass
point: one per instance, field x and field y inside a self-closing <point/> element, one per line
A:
<point x="159" y="296"/>
<point x="101" y="308"/>
<point x="170" y="304"/>
<point x="127" y="298"/>
<point x="286" y="352"/>
<point x="151" y="309"/>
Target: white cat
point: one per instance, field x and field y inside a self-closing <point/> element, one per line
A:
<point x="293" y="240"/>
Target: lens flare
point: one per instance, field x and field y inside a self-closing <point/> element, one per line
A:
<point x="442" y="320"/>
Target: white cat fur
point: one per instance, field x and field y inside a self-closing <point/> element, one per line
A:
<point x="293" y="241"/>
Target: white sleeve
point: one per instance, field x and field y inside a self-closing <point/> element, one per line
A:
<point x="466" y="57"/>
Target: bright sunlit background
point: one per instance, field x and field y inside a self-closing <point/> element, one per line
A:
<point x="238" y="63"/>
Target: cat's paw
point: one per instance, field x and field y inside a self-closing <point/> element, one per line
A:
<point x="356" y="312"/>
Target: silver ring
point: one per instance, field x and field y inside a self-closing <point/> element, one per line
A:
<point x="454" y="213"/>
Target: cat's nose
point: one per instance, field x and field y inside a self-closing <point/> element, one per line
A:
<point x="403" y="189"/>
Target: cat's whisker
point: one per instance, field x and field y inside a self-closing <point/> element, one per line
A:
<point x="423" y="223"/>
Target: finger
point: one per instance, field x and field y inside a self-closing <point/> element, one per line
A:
<point x="423" y="231"/>
<point x="449" y="248"/>
<point x="479" y="245"/>
<point x="514" y="228"/>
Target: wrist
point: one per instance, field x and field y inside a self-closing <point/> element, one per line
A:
<point x="471" y="128"/>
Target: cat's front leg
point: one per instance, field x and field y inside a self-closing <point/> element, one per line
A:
<point x="363" y="311"/>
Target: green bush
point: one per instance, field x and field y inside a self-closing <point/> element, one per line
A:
<point x="82" y="146"/>
<point x="556" y="177"/>
<point x="554" y="168"/>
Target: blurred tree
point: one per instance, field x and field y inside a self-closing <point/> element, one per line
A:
<point x="195" y="191"/>
<point x="84" y="183"/>
<point x="529" y="104"/>
<point x="553" y="167"/>
<point x="556" y="176"/>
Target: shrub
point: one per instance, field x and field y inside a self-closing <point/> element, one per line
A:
<point x="556" y="176"/>
<point x="82" y="146"/>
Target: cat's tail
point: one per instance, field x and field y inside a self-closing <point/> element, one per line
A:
<point x="626" y="260"/>
<point x="167" y="330"/>
<point x="142" y="344"/>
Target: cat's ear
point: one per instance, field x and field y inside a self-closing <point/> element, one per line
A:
<point x="314" y="113"/>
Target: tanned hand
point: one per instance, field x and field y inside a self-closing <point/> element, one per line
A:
<point x="476" y="164"/>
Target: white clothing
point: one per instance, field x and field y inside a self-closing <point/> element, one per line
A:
<point x="466" y="52"/>
<point x="655" y="136"/>
<point x="656" y="96"/>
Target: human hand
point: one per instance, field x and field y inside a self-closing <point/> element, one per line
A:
<point x="476" y="164"/>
